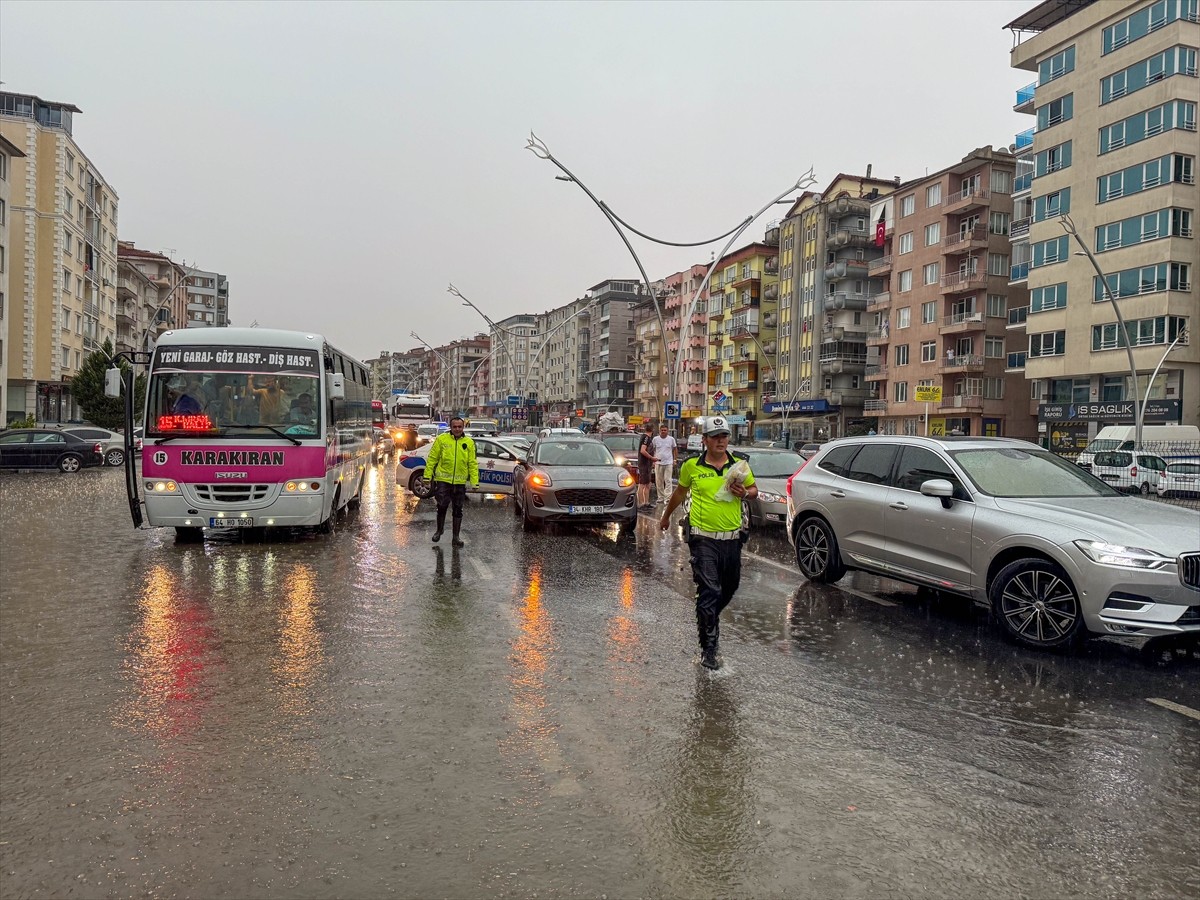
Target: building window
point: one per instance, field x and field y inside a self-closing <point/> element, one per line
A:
<point x="993" y="348"/>
<point x="993" y="388"/>
<point x="1139" y="229"/>
<point x="900" y="392"/>
<point x="1055" y="112"/>
<point x="1052" y="159"/>
<point x="1141" y="332"/>
<point x="998" y="264"/>
<point x="933" y="234"/>
<point x="1144" y="280"/>
<point x="1002" y="181"/>
<point x="998" y="223"/>
<point x="929" y="312"/>
<point x="1047" y="253"/>
<point x="1147" y="124"/>
<point x="904" y="317"/>
<point x="1145" y="21"/>
<point x="997" y="306"/>
<point x="908" y="205"/>
<point x="1052" y="296"/>
<point x="928" y="351"/>
<point x="70" y="167"/>
<point x="1050" y="343"/>
<point x="933" y="196"/>
<point x="902" y="355"/>
<point x="932" y="272"/>
<point x="1052" y="205"/>
<point x="905" y="281"/>
<point x="1056" y="66"/>
<point x="906" y="242"/>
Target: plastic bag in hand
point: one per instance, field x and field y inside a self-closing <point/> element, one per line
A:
<point x="737" y="473"/>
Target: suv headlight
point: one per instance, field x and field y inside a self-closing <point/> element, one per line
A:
<point x="768" y="497"/>
<point x="1125" y="557"/>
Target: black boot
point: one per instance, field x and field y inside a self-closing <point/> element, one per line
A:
<point x="441" y="525"/>
<point x="457" y="541"/>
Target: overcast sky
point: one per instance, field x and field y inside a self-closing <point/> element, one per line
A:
<point x="343" y="162"/>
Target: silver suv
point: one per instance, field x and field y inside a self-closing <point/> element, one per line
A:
<point x="1051" y="549"/>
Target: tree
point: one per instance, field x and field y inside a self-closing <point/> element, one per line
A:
<point x="88" y="388"/>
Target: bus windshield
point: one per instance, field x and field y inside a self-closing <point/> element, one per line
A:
<point x="199" y="391"/>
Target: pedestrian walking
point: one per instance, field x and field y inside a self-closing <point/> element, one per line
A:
<point x="453" y="464"/>
<point x="715" y="522"/>
<point x="664" y="463"/>
<point x="645" y="467"/>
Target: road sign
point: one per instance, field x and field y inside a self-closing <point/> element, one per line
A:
<point x="520" y="412"/>
<point x="399" y="391"/>
<point x="928" y="393"/>
<point x="672" y="409"/>
<point x="636" y="420"/>
<point x="514" y="399"/>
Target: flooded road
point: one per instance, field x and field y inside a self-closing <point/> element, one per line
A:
<point x="363" y="715"/>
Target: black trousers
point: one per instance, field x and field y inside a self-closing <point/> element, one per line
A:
<point x="717" y="571"/>
<point x="446" y="494"/>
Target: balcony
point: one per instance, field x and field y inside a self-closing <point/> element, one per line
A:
<point x="771" y="266"/>
<point x="874" y="405"/>
<point x="748" y="386"/>
<point x="879" y="302"/>
<point x="768" y="320"/>
<point x="877" y="337"/>
<point x="1023" y="183"/>
<point x="746" y="359"/>
<point x="771" y="292"/>
<point x="125" y="316"/>
<point x="963" y="282"/>
<point x="855" y="333"/>
<point x="91" y="308"/>
<point x="961" y="402"/>
<point x="716" y="337"/>
<point x="851" y="237"/>
<point x="772" y="235"/>
<point x="749" y="302"/>
<point x="652" y="352"/>
<point x="962" y="322"/>
<point x="714" y="362"/>
<point x="876" y="373"/>
<point x="848" y="364"/>
<point x="1019" y="228"/>
<point x="845" y="300"/>
<point x="1024" y="102"/>
<point x="971" y="362"/>
<point x="1024" y="138"/>
<point x="1018" y="273"/>
<point x="966" y="239"/>
<point x="968" y="199"/>
<point x="846" y="268"/>
<point x="848" y="206"/>
<point x="1017" y="317"/>
<point x="745" y="278"/>
<point x="126" y="288"/>
<point x="1015" y="362"/>
<point x="880" y="267"/>
<point x="848" y="397"/>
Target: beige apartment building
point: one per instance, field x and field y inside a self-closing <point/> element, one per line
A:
<point x="62" y="266"/>
<point x="8" y="152"/>
<point x="559" y="371"/>
<point x="826" y="280"/>
<point x="940" y="318"/>
<point x="1114" y="147"/>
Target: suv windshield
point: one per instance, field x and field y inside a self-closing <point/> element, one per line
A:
<point x="776" y="464"/>
<point x="1031" y="474"/>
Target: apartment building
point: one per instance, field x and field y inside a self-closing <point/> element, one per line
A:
<point x="137" y="305"/>
<point x="8" y="152"/>
<point x="402" y="372"/>
<point x="454" y="370"/>
<point x="516" y="341"/>
<point x="743" y="314"/>
<point x="559" y="373"/>
<point x="1114" y="147"/>
<point x="207" y="299"/>
<point x="62" y="258"/>
<point x="687" y="341"/>
<point x="827" y="251"/>
<point x="940" y="317"/>
<point x="165" y="295"/>
<point x="610" y="373"/>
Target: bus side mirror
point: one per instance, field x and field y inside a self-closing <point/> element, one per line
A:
<point x="335" y="385"/>
<point x="112" y="382"/>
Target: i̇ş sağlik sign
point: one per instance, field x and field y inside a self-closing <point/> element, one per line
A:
<point x="1117" y="411"/>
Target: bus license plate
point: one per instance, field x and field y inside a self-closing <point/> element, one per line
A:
<point x="215" y="522"/>
<point x="585" y="510"/>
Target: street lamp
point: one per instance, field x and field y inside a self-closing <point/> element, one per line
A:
<point x="541" y="151"/>
<point x="1138" y="409"/>
<point x="1180" y="338"/>
<point x="466" y="302"/>
<point x="442" y="357"/>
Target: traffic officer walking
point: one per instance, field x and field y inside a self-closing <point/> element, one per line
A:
<point x="715" y="531"/>
<point x="452" y="464"/>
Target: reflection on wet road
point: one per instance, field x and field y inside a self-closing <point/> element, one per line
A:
<point x="363" y="714"/>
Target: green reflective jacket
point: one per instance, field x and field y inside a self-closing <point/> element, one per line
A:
<point x="452" y="460"/>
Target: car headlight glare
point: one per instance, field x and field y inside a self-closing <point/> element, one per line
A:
<point x="1126" y="557"/>
<point x="625" y="479"/>
<point x="540" y="479"/>
<point x="768" y="497"/>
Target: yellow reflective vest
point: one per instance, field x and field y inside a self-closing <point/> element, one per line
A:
<point x="452" y="460"/>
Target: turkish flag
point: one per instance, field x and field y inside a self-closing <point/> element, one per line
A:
<point x="881" y="226"/>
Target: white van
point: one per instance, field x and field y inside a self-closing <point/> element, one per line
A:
<point x="1165" y="440"/>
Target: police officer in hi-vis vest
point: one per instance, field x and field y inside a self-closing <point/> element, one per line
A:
<point x="715" y="531"/>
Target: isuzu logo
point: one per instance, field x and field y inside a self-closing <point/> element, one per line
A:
<point x="230" y="475"/>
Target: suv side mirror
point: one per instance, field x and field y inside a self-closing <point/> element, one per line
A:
<point x="938" y="487"/>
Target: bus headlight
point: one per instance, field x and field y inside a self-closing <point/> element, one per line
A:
<point x="162" y="487"/>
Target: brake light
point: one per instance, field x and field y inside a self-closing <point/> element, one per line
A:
<point x="99" y="450"/>
<point x="1133" y="471"/>
<point x="794" y="474"/>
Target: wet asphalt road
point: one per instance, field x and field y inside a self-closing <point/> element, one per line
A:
<point x="361" y="715"/>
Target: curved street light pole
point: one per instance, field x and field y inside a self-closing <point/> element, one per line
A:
<point x="445" y="362"/>
<point x="549" y="334"/>
<point x="1138" y="410"/>
<point x="504" y="344"/>
<point x="1181" y="337"/>
<point x="541" y="151"/>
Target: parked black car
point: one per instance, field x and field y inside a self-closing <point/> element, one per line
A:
<point x="47" y="448"/>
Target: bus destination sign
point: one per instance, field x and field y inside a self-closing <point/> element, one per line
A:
<point x="238" y="359"/>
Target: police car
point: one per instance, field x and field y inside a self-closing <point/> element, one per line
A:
<point x="496" y="463"/>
